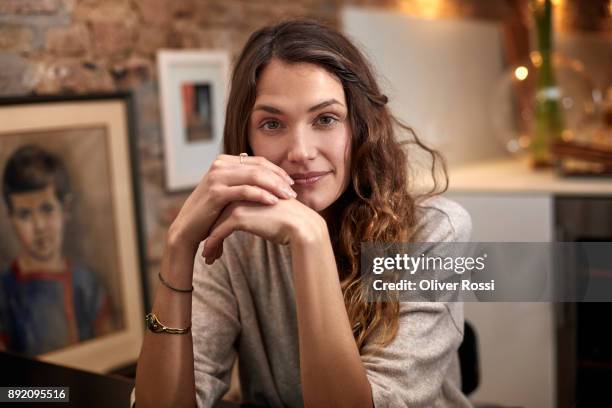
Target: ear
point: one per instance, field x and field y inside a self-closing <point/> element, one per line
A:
<point x="7" y="206"/>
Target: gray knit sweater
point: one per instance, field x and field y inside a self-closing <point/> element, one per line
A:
<point x="244" y="305"/>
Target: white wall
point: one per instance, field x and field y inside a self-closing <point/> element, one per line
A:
<point x="438" y="75"/>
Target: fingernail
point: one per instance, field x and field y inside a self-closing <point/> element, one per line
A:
<point x="291" y="181"/>
<point x="289" y="192"/>
<point x="272" y="199"/>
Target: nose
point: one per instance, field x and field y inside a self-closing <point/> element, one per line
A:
<point x="38" y="221"/>
<point x="301" y="146"/>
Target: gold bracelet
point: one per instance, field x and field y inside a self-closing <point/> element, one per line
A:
<point x="153" y="324"/>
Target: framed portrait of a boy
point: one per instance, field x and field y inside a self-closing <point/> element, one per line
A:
<point x="71" y="250"/>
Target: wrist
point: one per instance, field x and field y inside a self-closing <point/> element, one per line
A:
<point x="177" y="241"/>
<point x="177" y="265"/>
<point x="179" y="250"/>
<point x="310" y="232"/>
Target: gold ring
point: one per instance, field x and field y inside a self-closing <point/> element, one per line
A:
<point x="242" y="156"/>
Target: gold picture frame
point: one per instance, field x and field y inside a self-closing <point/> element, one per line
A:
<point x="101" y="243"/>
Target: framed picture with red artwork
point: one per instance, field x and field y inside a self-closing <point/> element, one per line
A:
<point x="193" y="92"/>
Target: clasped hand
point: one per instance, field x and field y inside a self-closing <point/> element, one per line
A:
<point x="255" y="196"/>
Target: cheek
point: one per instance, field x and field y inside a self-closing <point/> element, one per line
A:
<point x="340" y="152"/>
<point x="262" y="146"/>
<point x="255" y="143"/>
<point x="56" y="220"/>
<point x="56" y="229"/>
<point x="55" y="225"/>
<point x="23" y="230"/>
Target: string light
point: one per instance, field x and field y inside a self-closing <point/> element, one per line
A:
<point x="521" y="73"/>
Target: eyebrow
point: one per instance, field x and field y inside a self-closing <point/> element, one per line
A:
<point x="318" y="106"/>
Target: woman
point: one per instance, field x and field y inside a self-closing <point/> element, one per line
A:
<point x="311" y="169"/>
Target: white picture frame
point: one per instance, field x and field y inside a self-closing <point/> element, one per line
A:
<point x="193" y="88"/>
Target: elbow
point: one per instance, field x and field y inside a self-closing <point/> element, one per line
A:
<point x="146" y="401"/>
<point x="349" y="404"/>
<point x="350" y="399"/>
<point x="158" y="397"/>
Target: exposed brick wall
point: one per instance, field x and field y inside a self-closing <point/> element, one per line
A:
<point x="67" y="46"/>
<point x="80" y="46"/>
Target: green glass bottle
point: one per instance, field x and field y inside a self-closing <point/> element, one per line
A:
<point x="548" y="121"/>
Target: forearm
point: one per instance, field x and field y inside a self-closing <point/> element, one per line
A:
<point x="331" y="370"/>
<point x="165" y="374"/>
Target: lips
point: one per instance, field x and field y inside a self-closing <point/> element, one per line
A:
<point x="299" y="176"/>
<point x="310" y="178"/>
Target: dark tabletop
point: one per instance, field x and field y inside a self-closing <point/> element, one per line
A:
<point x="87" y="389"/>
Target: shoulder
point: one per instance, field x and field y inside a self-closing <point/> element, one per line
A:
<point x="82" y="276"/>
<point x="83" y="271"/>
<point x="5" y="271"/>
<point x="440" y="219"/>
<point x="7" y="274"/>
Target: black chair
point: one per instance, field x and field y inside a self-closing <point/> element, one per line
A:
<point x="468" y="360"/>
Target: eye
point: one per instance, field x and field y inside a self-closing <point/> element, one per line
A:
<point x="23" y="214"/>
<point x="326" y="120"/>
<point x="47" y="208"/>
<point x="275" y="125"/>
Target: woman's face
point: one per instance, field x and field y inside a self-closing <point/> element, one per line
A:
<point x="300" y="122"/>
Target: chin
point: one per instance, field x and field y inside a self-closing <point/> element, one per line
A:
<point x="317" y="204"/>
<point x="43" y="256"/>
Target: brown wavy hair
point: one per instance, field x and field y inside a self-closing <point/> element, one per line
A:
<point x="377" y="205"/>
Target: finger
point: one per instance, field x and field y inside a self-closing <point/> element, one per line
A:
<point x="263" y="162"/>
<point x="259" y="177"/>
<point x="226" y="159"/>
<point x="218" y="251"/>
<point x="250" y="193"/>
<point x="223" y="228"/>
<point x="209" y="260"/>
<point x="204" y="249"/>
<point x="254" y="187"/>
<point x="207" y="249"/>
<point x="213" y="253"/>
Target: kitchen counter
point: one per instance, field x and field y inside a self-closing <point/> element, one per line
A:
<point x="509" y="175"/>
